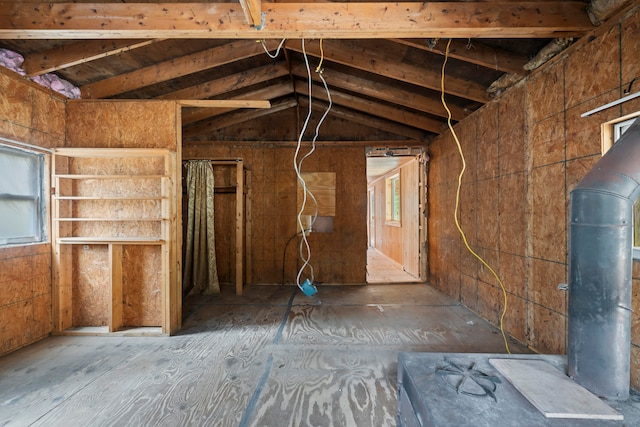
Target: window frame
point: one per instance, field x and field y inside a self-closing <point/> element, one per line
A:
<point x="610" y="133"/>
<point x="393" y="196"/>
<point x="39" y="198"/>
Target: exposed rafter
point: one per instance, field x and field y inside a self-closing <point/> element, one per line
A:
<point x="234" y="118"/>
<point x="369" y="120"/>
<point x="467" y="51"/>
<point x="295" y="20"/>
<point x="171" y="69"/>
<point x="373" y="108"/>
<point x="267" y="93"/>
<point x="384" y="92"/>
<point x="230" y="83"/>
<point x="390" y="63"/>
<point x="77" y="53"/>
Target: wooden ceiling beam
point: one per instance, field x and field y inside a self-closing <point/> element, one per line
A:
<point x="384" y="92"/>
<point x="373" y="108"/>
<point x="267" y="93"/>
<point x="389" y="63"/>
<point x="234" y="118"/>
<point x="232" y="82"/>
<point x="368" y="120"/>
<point x="79" y="52"/>
<point x="294" y="20"/>
<point x="172" y="69"/>
<point x="474" y="53"/>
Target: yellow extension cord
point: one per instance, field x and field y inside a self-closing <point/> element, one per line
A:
<point x="455" y="213"/>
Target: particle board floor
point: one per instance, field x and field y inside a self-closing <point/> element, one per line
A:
<point x="382" y="269"/>
<point x="272" y="357"/>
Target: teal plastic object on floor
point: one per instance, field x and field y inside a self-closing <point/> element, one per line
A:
<point x="308" y="288"/>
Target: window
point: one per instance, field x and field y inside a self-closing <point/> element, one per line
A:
<point x="22" y="203"/>
<point x="611" y="132"/>
<point x="392" y="214"/>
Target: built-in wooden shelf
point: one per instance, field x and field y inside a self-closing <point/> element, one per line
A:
<point x="87" y="185"/>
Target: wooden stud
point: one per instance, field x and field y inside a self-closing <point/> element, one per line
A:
<point x="239" y="225"/>
<point x="115" y="282"/>
<point x="248" y="222"/>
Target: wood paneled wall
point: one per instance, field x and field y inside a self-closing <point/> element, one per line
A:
<point x="400" y="242"/>
<point x="525" y="152"/>
<point x="337" y="257"/>
<point x="35" y="116"/>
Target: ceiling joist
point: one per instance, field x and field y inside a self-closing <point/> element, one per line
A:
<point x="294" y="20"/>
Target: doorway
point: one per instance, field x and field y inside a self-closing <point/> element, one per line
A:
<point x="395" y="220"/>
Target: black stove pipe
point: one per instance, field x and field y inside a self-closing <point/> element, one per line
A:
<point x="600" y="270"/>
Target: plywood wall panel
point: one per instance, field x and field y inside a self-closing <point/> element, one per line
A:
<point x="594" y="68"/>
<point x="583" y="133"/>
<point x="547" y="141"/>
<point x="488" y="213"/>
<point x="548" y="330"/>
<point x="513" y="130"/>
<point x="547" y="211"/>
<point x="545" y="276"/>
<point x="17" y="102"/>
<point x="32" y="115"/>
<point x="488" y="125"/>
<point x="91" y="290"/>
<point x="142" y="285"/>
<point x="273" y="198"/>
<point x="513" y="272"/>
<point x="49" y="117"/>
<point x="630" y="55"/>
<point x="469" y="292"/>
<point x="513" y="214"/>
<point x="490" y="301"/>
<point x="467" y="136"/>
<point x="515" y="324"/>
<point x="121" y="124"/>
<point x="545" y="93"/>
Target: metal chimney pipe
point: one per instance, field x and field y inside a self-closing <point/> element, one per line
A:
<point x="600" y="270"/>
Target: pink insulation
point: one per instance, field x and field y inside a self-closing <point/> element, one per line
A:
<point x="13" y="61"/>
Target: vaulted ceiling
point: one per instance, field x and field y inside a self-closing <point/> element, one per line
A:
<point x="382" y="61"/>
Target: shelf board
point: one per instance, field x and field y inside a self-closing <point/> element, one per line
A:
<point x="112" y="153"/>
<point x="142" y="331"/>
<point x="101" y="176"/>
<point x="107" y="240"/>
<point x="109" y="219"/>
<point x="126" y="198"/>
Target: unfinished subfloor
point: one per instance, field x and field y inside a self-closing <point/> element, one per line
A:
<point x="272" y="357"/>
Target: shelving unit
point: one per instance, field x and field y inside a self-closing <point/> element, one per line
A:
<point x="106" y="203"/>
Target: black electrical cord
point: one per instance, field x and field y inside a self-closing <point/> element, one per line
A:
<point x="284" y="254"/>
